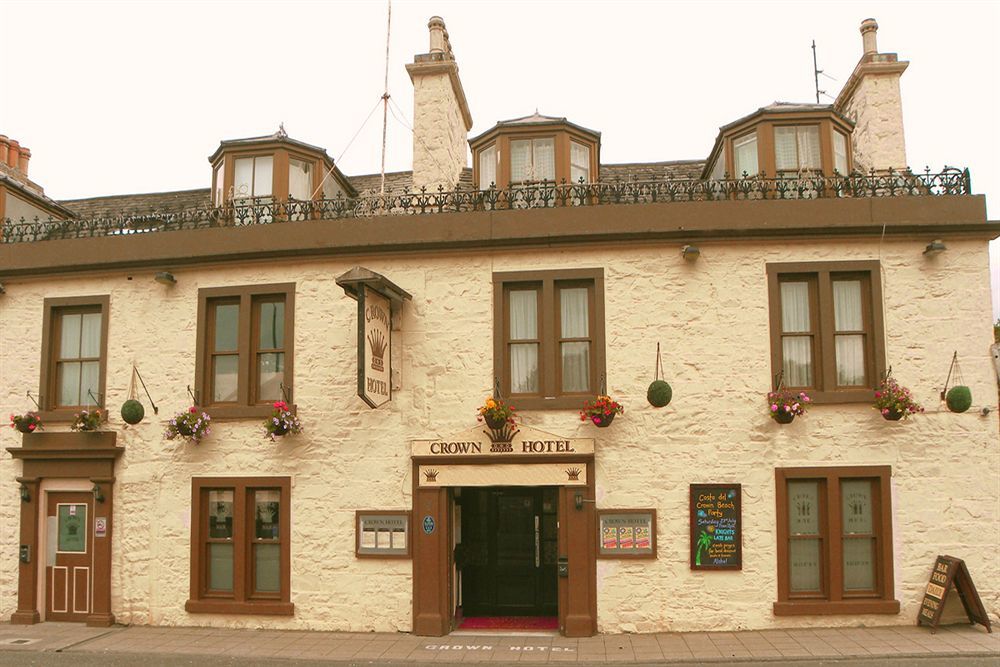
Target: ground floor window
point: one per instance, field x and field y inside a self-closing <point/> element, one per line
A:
<point x="834" y="541"/>
<point x="240" y="545"/>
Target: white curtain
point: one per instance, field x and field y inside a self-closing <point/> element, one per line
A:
<point x="785" y="156"/>
<point x="850" y="349"/>
<point x="520" y="160"/>
<point x="487" y="168"/>
<point x="299" y="180"/>
<point x="575" y="323"/>
<point x="243" y="177"/>
<point x="840" y="153"/>
<point x="579" y="162"/>
<point x="524" y="356"/>
<point x="796" y="350"/>
<point x="745" y="155"/>
<point x="808" y="141"/>
<point x="262" y="176"/>
<point x="544" y="159"/>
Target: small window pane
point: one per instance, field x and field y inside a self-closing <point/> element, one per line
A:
<point x="90" y="376"/>
<point x="808" y="144"/>
<point x="220" y="513"/>
<point x="856" y="506"/>
<point x="263" y="167"/>
<point x="803" y="507"/>
<point x="796" y="363"/>
<point x="785" y="152"/>
<point x="225" y="377"/>
<point x="90" y="335"/>
<point x="579" y="162"/>
<point x="243" y="178"/>
<point x="545" y="160"/>
<point x="575" y="367"/>
<point x="220" y="566"/>
<point x="847" y="305"/>
<point x="573" y="304"/>
<point x="270" y="375"/>
<point x="267" y="505"/>
<point x="487" y="168"/>
<point x="520" y="160"/>
<point x="850" y="360"/>
<point x="69" y="383"/>
<point x="220" y="181"/>
<point x="331" y="189"/>
<point x="804" y="565"/>
<point x="300" y="179"/>
<point x="524" y="368"/>
<point x="745" y="156"/>
<point x="272" y="325"/>
<point x="859" y="564"/>
<point x="69" y="343"/>
<point x="73" y="528"/>
<point x="227" y="318"/>
<point x="523" y="314"/>
<point x="840" y="153"/>
<point x="267" y="568"/>
<point x="795" y="316"/>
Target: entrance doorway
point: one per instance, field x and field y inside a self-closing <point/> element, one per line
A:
<point x="508" y="551"/>
<point x="69" y="573"/>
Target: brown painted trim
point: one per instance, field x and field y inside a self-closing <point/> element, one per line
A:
<point x="47" y="369"/>
<point x="502" y="458"/>
<point x="626" y="556"/>
<point x="852" y="607"/>
<point x="357" y="533"/>
<point x="907" y="218"/>
<point x="243" y="600"/>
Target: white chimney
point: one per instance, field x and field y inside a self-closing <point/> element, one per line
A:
<point x="441" y="117"/>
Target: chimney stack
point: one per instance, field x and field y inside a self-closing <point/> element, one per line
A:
<point x="441" y="117"/>
<point x="871" y="98"/>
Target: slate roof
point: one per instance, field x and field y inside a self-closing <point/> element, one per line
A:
<point x="109" y="207"/>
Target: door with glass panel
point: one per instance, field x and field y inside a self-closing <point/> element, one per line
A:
<point x="69" y="565"/>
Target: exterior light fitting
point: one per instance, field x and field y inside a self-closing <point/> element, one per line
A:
<point x="25" y="494"/>
<point x="2" y="289"/>
<point x="165" y="278"/>
<point x="935" y="247"/>
<point x="98" y="496"/>
<point x="690" y="252"/>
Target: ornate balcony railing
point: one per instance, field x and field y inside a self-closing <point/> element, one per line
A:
<point x="261" y="211"/>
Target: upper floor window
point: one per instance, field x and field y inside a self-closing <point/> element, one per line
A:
<point x="532" y="160"/>
<point x="796" y="148"/>
<point x="549" y="336"/>
<point x="253" y="176"/>
<point x="579" y="162"/>
<point x="745" y="155"/>
<point x="840" y="153"/>
<point x="488" y="167"/>
<point x="245" y="348"/>
<point x="826" y="328"/>
<point x="74" y="355"/>
<point x="300" y="179"/>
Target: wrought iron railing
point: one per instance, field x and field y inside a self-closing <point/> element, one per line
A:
<point x="259" y="211"/>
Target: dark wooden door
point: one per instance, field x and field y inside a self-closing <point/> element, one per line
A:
<point x="508" y="551"/>
<point x="69" y="577"/>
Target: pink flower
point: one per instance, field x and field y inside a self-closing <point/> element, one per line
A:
<point x="192" y="409"/>
<point x="774" y="407"/>
<point x="31" y="427"/>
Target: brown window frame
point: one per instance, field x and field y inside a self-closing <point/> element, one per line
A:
<point x="549" y="336"/>
<point x="248" y="296"/>
<point x="825" y="389"/>
<point x="832" y="599"/>
<point x="243" y="599"/>
<point x="50" y="410"/>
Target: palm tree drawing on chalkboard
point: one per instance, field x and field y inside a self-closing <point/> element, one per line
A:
<point x="704" y="542"/>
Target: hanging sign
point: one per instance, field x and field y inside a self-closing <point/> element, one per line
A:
<point x="948" y="573"/>
<point x="374" y="348"/>
<point x="716" y="527"/>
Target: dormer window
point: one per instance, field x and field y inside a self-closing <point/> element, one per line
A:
<point x="840" y="153"/>
<point x="745" y="155"/>
<point x="488" y="167"/>
<point x="796" y="148"/>
<point x="300" y="179"/>
<point x="253" y="177"/>
<point x="579" y="162"/>
<point x="532" y="160"/>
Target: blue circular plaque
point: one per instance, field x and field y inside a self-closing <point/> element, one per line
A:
<point x="428" y="524"/>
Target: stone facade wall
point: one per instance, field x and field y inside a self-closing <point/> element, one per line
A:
<point x="711" y="317"/>
<point x="439" y="132"/>
<point x="877" y="107"/>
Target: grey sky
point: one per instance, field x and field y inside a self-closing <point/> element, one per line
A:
<point x="123" y="97"/>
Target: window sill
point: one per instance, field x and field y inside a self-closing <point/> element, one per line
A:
<point x="66" y="416"/>
<point x="233" y="412"/>
<point x="825" y="608"/>
<point x="839" y="397"/>
<point x="232" y="607"/>
<point x="556" y="403"/>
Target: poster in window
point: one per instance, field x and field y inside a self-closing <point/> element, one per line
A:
<point x="382" y="534"/>
<point x="627" y="533"/>
<point x="716" y="527"/>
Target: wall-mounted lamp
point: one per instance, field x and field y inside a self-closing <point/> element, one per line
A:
<point x="2" y="289"/>
<point x="690" y="252"/>
<point x="165" y="278"/>
<point x="25" y="495"/>
<point x="935" y="247"/>
<point x="98" y="496"/>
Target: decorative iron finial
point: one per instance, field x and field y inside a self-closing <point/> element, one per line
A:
<point x="281" y="134"/>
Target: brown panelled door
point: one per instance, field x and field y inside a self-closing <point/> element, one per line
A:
<point x="69" y="570"/>
<point x="509" y="544"/>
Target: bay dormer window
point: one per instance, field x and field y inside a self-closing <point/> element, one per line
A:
<point x="840" y="153"/>
<point x="796" y="148"/>
<point x="532" y="160"/>
<point x="300" y="179"/>
<point x="488" y="167"/>
<point x="745" y="155"/>
<point x="254" y="177"/>
<point x="579" y="162"/>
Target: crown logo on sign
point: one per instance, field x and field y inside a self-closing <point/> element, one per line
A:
<point x="378" y="345"/>
<point x="431" y="475"/>
<point x="500" y="438"/>
<point x="573" y="473"/>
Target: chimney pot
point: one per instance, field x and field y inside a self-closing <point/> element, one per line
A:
<point x="868" y="42"/>
<point x="439" y="37"/>
<point x="4" y="148"/>
<point x="25" y="157"/>
<point x="14" y="155"/>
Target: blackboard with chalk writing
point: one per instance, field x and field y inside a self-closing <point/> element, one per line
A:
<point x="716" y="527"/>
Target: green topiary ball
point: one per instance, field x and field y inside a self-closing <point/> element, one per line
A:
<point x="132" y="411"/>
<point x="959" y="398"/>
<point x="659" y="393"/>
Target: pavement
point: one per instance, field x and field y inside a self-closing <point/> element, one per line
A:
<point x="78" y="645"/>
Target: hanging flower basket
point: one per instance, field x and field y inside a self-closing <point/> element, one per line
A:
<point x="29" y="422"/>
<point x="893" y="401"/>
<point x="601" y="411"/>
<point x="190" y="425"/>
<point x="496" y="413"/>
<point x="281" y="422"/>
<point x="783" y="405"/>
<point x="89" y="420"/>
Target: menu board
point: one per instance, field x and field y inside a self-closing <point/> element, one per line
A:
<point x="948" y="573"/>
<point x="627" y="533"/>
<point x="716" y="527"/>
<point x="382" y="534"/>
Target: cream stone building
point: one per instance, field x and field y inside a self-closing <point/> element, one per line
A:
<point x="539" y="276"/>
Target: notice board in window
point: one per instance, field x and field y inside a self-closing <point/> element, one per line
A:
<point x="382" y="534"/>
<point x="716" y="527"/>
<point x="626" y="533"/>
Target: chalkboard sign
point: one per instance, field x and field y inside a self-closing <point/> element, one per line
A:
<point x="716" y="527"/>
<point x="951" y="572"/>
